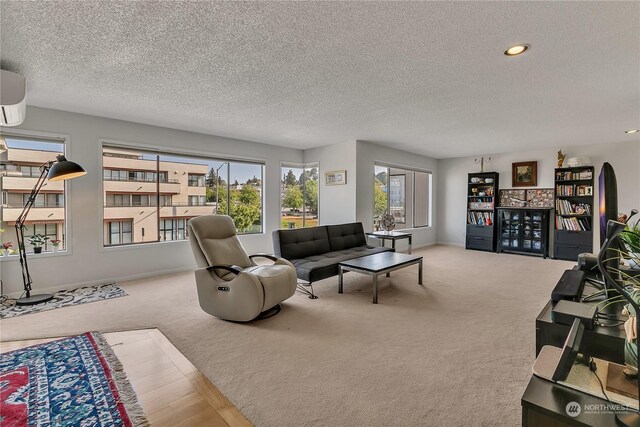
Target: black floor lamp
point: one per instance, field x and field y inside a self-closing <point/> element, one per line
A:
<point x="59" y="170"/>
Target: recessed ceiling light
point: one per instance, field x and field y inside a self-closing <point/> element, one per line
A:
<point x="632" y="131"/>
<point x="516" y="50"/>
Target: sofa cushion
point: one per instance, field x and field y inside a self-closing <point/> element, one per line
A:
<point x="318" y="267"/>
<point x="345" y="236"/>
<point x="301" y="242"/>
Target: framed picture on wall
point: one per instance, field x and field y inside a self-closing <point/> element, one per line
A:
<point x="524" y="174"/>
<point x="335" y="177"/>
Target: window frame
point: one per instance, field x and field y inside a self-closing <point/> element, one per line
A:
<point x="404" y="195"/>
<point x="200" y="180"/>
<point x="429" y="213"/>
<point x="120" y="231"/>
<point x="164" y="150"/>
<point x="304" y="167"/>
<point x="66" y="141"/>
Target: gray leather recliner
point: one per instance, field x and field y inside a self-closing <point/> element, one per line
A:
<point x="230" y="284"/>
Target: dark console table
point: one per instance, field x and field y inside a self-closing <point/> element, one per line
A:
<point x="524" y="231"/>
<point x="603" y="342"/>
<point x="544" y="404"/>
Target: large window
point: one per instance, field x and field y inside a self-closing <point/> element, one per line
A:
<point x="403" y="193"/>
<point x="20" y="166"/>
<point x="299" y="196"/>
<point x="150" y="196"/>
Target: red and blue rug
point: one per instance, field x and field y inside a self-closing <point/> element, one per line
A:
<point x="75" y="381"/>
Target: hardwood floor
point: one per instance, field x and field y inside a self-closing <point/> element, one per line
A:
<point x="171" y="391"/>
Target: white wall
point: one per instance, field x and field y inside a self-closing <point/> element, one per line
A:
<point x="452" y="174"/>
<point x="337" y="202"/>
<point x="87" y="261"/>
<point x="367" y="155"/>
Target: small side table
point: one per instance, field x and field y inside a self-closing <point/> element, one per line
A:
<point x="391" y="235"/>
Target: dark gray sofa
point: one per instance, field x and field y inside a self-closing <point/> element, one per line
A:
<point x="315" y="252"/>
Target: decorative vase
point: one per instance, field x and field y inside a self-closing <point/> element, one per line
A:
<point x="37" y="250"/>
<point x="55" y="249"/>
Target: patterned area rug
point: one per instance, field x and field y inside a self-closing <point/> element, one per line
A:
<point x="64" y="298"/>
<point x="75" y="381"/>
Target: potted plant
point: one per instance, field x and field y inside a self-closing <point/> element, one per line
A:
<point x="7" y="249"/>
<point x="37" y="241"/>
<point x="631" y="239"/>
<point x="55" y="243"/>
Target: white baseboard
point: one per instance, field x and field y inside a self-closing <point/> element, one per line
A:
<point x="424" y="245"/>
<point x="105" y="281"/>
<point x="458" y="244"/>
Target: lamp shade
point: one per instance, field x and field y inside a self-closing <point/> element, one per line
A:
<point x="64" y="169"/>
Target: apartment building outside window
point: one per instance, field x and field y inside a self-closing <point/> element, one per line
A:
<point x="119" y="232"/>
<point x="197" y="200"/>
<point x="404" y="193"/>
<point x="173" y="229"/>
<point x="19" y="169"/>
<point x="196" y="180"/>
<point x="113" y="199"/>
<point x="184" y="186"/>
<point x="132" y="175"/>
<point x="299" y="195"/>
<point x="50" y="200"/>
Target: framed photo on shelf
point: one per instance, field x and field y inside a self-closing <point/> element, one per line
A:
<point x="335" y="177"/>
<point x="524" y="174"/>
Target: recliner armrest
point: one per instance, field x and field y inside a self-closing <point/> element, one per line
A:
<point x="235" y="269"/>
<point x="271" y="257"/>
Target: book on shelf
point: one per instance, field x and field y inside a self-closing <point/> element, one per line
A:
<point x="573" y="176"/>
<point x="480" y="218"/>
<point x="574" y="190"/>
<point x="481" y="205"/>
<point x="565" y="207"/>
<point x="572" y="224"/>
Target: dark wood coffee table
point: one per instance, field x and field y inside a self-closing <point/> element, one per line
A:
<point x="377" y="264"/>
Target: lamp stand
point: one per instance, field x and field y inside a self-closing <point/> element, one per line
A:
<point x="29" y="299"/>
<point x="34" y="299"/>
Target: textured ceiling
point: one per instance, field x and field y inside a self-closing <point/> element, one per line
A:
<point x="424" y="77"/>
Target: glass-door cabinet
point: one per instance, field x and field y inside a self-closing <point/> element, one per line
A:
<point x="524" y="231"/>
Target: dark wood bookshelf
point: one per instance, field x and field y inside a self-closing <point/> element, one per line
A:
<point x="573" y="231"/>
<point x="481" y="211"/>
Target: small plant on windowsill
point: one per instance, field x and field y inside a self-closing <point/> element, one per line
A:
<point x="55" y="243"/>
<point x="37" y="241"/>
<point x="7" y="249"/>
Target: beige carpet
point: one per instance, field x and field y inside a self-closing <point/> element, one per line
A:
<point x="457" y="351"/>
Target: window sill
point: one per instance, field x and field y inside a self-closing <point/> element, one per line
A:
<point x="139" y="245"/>
<point x="411" y="229"/>
<point x="31" y="256"/>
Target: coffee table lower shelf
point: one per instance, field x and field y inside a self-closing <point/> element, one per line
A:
<point x="374" y="265"/>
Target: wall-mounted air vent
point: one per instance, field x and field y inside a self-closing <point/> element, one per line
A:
<point x="13" y="104"/>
